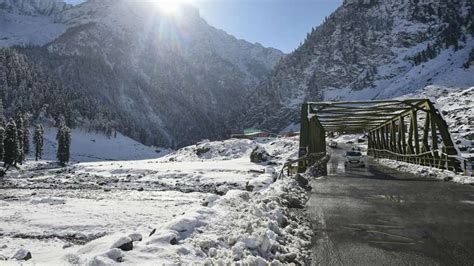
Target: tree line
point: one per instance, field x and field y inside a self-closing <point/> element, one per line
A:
<point x="15" y="141"/>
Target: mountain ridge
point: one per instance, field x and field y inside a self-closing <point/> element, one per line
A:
<point x="369" y="49"/>
<point x="179" y="78"/>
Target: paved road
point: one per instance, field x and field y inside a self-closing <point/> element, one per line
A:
<point x="374" y="216"/>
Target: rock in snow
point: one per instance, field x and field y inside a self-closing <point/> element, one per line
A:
<point x="124" y="243"/>
<point x="164" y="238"/>
<point x="22" y="254"/>
<point x="259" y="155"/>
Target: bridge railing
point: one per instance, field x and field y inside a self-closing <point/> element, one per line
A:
<point x="291" y="166"/>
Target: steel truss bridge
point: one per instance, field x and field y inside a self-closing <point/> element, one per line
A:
<point x="410" y="130"/>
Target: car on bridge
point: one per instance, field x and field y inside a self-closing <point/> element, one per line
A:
<point x="354" y="158"/>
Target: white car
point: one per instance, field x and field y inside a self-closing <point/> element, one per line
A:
<point x="354" y="158"/>
<point x="333" y="144"/>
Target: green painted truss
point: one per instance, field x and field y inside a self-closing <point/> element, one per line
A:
<point x="393" y="128"/>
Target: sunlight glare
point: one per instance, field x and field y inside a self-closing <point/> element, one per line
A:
<point x="170" y="7"/>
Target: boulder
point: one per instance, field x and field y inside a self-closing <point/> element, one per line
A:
<point x="292" y="202"/>
<point x="249" y="187"/>
<point x="291" y="257"/>
<point x="202" y="150"/>
<point x="124" y="243"/>
<point x="448" y="178"/>
<point x="126" y="246"/>
<point x="22" y="254"/>
<point x="259" y="155"/>
<point x="302" y="182"/>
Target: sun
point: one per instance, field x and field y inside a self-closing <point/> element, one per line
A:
<point x="170" y="7"/>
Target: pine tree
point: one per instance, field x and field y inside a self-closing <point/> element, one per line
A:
<point x="2" y="137"/>
<point x="64" y="144"/>
<point x="38" y="141"/>
<point x="26" y="142"/>
<point x="2" y="117"/>
<point x="20" y="136"/>
<point x="10" y="144"/>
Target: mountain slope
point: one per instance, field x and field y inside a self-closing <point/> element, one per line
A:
<point x="370" y="50"/>
<point x="92" y="147"/>
<point x="28" y="88"/>
<point x="178" y="78"/>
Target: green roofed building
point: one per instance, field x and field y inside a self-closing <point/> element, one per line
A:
<point x="251" y="133"/>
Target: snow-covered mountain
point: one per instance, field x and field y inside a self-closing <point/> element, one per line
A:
<point x="24" y="22"/>
<point x="370" y="50"/>
<point x="177" y="78"/>
<point x="34" y="7"/>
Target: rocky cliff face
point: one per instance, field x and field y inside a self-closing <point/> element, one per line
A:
<point x="370" y="49"/>
<point x="178" y="78"/>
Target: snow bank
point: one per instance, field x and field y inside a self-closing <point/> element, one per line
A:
<point x="262" y="230"/>
<point x="425" y="171"/>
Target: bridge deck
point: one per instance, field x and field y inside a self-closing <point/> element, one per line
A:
<point x="373" y="216"/>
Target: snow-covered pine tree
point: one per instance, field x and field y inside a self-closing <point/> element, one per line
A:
<point x="2" y="117"/>
<point x="20" y="137"/>
<point x="10" y="144"/>
<point x="2" y="136"/>
<point x="64" y="143"/>
<point x="26" y="139"/>
<point x="38" y="141"/>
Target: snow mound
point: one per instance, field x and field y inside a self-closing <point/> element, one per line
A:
<point x="163" y="237"/>
<point x="103" y="251"/>
<point x="426" y="172"/>
<point x="136" y="236"/>
<point x="221" y="150"/>
<point x="262" y="181"/>
<point x="263" y="229"/>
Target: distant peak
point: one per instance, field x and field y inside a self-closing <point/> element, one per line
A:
<point x="34" y="7"/>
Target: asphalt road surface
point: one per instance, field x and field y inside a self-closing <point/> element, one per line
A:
<point x="376" y="216"/>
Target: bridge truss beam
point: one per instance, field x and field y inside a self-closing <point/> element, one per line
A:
<point x="393" y="128"/>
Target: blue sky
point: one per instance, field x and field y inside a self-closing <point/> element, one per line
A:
<point x="282" y="24"/>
